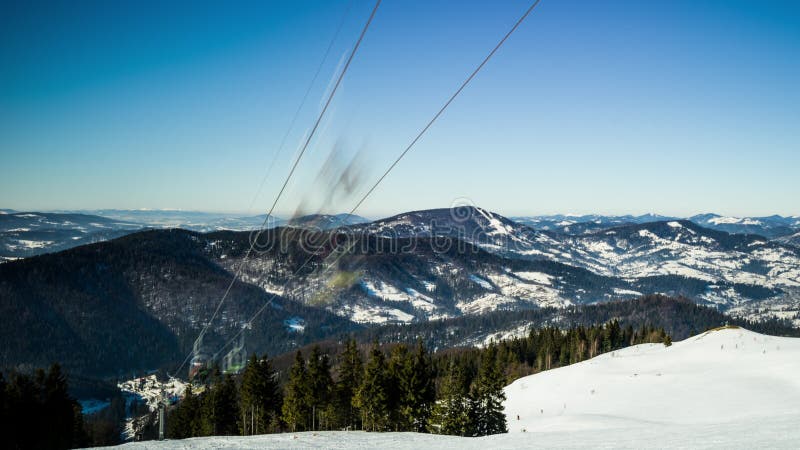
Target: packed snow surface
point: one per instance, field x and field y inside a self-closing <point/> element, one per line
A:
<point x="729" y="388"/>
<point x="714" y="379"/>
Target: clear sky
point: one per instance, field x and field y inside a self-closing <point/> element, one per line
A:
<point x="675" y="107"/>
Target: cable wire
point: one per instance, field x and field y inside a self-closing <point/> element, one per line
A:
<point x="300" y="108"/>
<point x="396" y="161"/>
<point x="286" y="181"/>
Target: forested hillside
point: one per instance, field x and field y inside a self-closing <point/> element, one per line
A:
<point x="138" y="302"/>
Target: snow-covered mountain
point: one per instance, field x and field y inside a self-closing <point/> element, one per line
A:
<point x="413" y="273"/>
<point x="727" y="388"/>
<point x="745" y="272"/>
<point x="442" y="275"/>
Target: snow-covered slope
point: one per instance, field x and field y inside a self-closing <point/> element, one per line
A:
<point x="728" y="388"/>
<point x="718" y="377"/>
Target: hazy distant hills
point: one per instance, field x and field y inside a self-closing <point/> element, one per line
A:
<point x="25" y="234"/>
<point x="326" y="221"/>
<point x="769" y="227"/>
<point x="188" y="220"/>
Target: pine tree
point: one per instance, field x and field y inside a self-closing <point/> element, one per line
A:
<point x="181" y="423"/>
<point x="451" y="414"/>
<point x="295" y="406"/>
<point x="225" y="413"/>
<point x="372" y="397"/>
<point x="399" y="379"/>
<point x="351" y="371"/>
<point x="489" y="396"/>
<point x="320" y="383"/>
<point x="260" y="396"/>
<point x="58" y="408"/>
<point x="418" y="391"/>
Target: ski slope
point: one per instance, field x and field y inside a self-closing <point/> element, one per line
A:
<point x="729" y="388"/>
<point x="729" y="380"/>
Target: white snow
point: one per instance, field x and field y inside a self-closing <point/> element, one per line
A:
<point x="481" y="282"/>
<point x="34" y="244"/>
<point x="619" y="291"/>
<point x="485" y="303"/>
<point x="374" y="314"/>
<point x="675" y="224"/>
<point x="295" y="324"/>
<point x="387" y="292"/>
<point x="719" y="378"/>
<point x="536" y="277"/>
<point x="734" y="220"/>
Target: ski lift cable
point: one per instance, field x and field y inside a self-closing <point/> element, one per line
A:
<point x="286" y="181"/>
<point x="394" y="164"/>
<point x="300" y="107"/>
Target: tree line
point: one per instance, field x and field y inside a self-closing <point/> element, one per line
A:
<point x="393" y="387"/>
<point x="390" y="387"/>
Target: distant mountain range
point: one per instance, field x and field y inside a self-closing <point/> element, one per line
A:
<point x="769" y="227"/>
<point x="154" y="289"/>
<point x="25" y="234"/>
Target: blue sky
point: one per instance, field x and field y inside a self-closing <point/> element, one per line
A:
<point x="609" y="107"/>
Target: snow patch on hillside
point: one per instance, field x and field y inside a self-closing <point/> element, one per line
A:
<point x="481" y="282"/>
<point x="536" y="277"/>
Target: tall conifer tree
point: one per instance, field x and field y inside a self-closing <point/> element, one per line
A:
<point x="351" y="371"/>
<point x="489" y="395"/>
<point x="372" y="396"/>
<point x="295" y="406"/>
